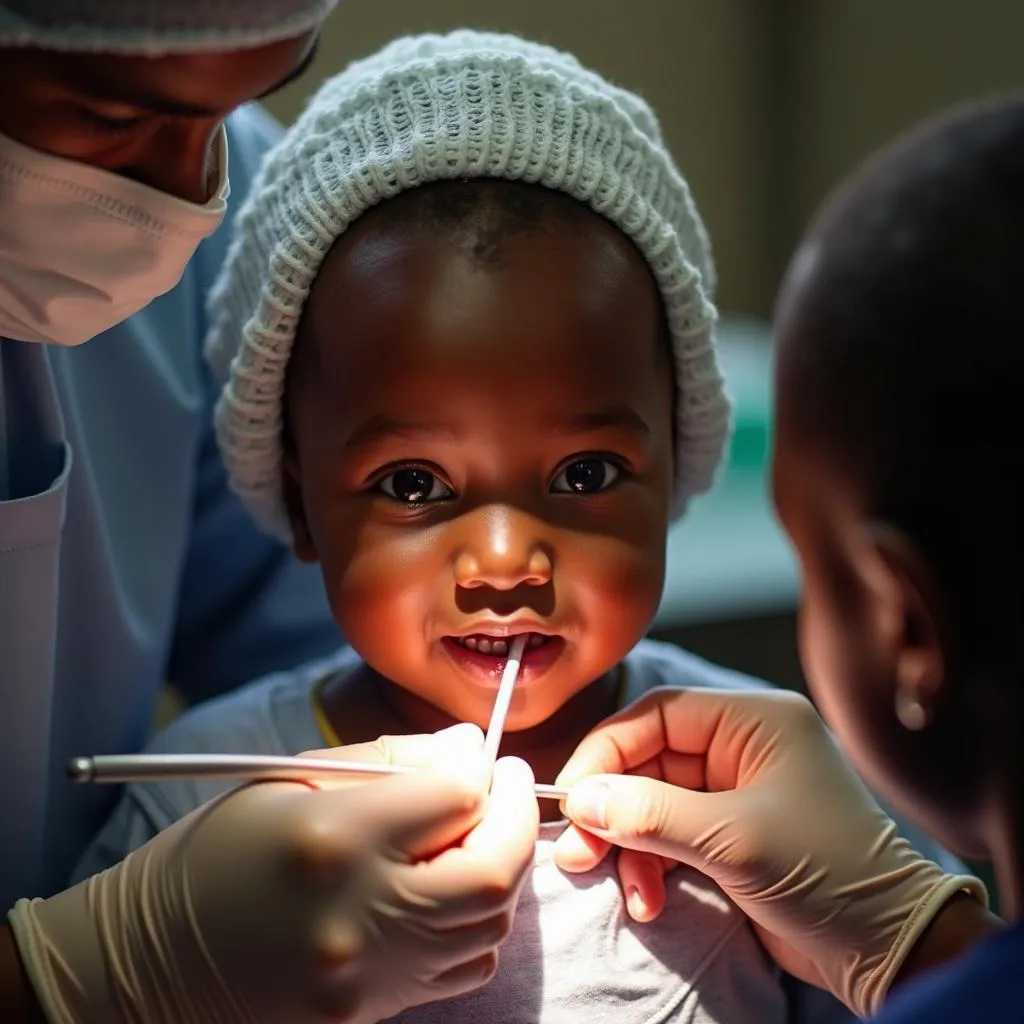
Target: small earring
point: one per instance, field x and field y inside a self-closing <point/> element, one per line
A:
<point x="909" y="710"/>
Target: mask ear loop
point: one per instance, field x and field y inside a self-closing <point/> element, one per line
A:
<point x="218" y="176"/>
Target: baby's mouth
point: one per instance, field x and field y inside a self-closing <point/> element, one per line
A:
<point x="497" y="646"/>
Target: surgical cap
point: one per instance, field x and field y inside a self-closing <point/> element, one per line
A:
<point x="154" y="27"/>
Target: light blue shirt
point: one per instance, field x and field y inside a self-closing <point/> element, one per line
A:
<point x="124" y="559"/>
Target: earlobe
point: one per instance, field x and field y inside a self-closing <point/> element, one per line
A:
<point x="302" y="539"/>
<point x="917" y="689"/>
<point x="915" y="624"/>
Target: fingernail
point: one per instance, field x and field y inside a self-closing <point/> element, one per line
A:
<point x="570" y="775"/>
<point x="588" y="804"/>
<point x="635" y="904"/>
<point x="518" y="766"/>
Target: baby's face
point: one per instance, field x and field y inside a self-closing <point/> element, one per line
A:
<point x="483" y="448"/>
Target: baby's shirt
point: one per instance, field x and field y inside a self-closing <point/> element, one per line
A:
<point x="574" y="954"/>
<point x="573" y="951"/>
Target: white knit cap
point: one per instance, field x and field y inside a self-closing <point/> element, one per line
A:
<point x="459" y="106"/>
<point x="156" y="26"/>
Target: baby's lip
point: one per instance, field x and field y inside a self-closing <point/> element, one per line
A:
<point x="505" y="630"/>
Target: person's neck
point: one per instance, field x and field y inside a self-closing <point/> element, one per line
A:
<point x="1004" y="834"/>
<point x="999" y="822"/>
<point x="363" y="705"/>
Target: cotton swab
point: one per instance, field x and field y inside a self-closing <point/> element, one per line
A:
<point x="496" y="727"/>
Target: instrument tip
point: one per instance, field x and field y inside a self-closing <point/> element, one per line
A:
<point x="80" y="769"/>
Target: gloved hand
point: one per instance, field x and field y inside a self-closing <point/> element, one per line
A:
<point x="298" y="902"/>
<point x="756" y="794"/>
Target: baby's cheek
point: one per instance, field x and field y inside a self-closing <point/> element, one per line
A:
<point x="624" y="592"/>
<point x="371" y="593"/>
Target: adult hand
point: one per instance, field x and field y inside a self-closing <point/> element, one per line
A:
<point x="750" y="788"/>
<point x="299" y="902"/>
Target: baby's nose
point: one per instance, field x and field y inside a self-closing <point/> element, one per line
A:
<point x="505" y="550"/>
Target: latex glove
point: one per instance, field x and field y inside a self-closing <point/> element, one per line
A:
<point x="285" y="902"/>
<point x="785" y="828"/>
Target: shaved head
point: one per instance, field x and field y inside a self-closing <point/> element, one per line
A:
<point x="901" y="347"/>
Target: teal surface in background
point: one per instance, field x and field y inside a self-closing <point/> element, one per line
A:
<point x="728" y="557"/>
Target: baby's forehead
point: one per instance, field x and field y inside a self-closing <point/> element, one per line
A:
<point x="418" y="295"/>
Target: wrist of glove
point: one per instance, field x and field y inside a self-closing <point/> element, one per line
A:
<point x="119" y="947"/>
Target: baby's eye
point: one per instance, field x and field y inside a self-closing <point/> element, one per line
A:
<point x="413" y="486"/>
<point x="586" y="476"/>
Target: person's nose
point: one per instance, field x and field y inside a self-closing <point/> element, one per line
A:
<point x="183" y="161"/>
<point x="503" y="549"/>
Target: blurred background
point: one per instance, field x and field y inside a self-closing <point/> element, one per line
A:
<point x="765" y="104"/>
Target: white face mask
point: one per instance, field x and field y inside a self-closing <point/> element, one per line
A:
<point x="82" y="249"/>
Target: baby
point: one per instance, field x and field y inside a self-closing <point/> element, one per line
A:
<point x="466" y="329"/>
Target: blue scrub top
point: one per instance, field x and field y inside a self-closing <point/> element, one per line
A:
<point x="125" y="561"/>
<point x="984" y="987"/>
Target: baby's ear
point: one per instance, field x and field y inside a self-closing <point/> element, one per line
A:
<point x="911" y="622"/>
<point x="302" y="539"/>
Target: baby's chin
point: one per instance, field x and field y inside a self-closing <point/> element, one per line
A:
<point x="524" y="714"/>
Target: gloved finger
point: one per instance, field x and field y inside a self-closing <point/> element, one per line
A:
<point x="629" y="738"/>
<point x="657" y="817"/>
<point x="482" y="875"/>
<point x="438" y="951"/>
<point x="642" y="878"/>
<point x="432" y="811"/>
<point x="337" y="997"/>
<point x="715" y="726"/>
<point x="466" y="977"/>
<point x="424" y="750"/>
<point x="456" y="750"/>
<point x="468" y="942"/>
<point x="686" y="770"/>
<point x="577" y="851"/>
<point x="405" y="816"/>
<point x="340" y="979"/>
<point x="508" y="830"/>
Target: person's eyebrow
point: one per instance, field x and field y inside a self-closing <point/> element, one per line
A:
<point x="381" y="428"/>
<point x="612" y="417"/>
<point x="160" y="104"/>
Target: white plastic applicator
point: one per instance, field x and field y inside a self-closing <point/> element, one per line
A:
<point x="501" y="703"/>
